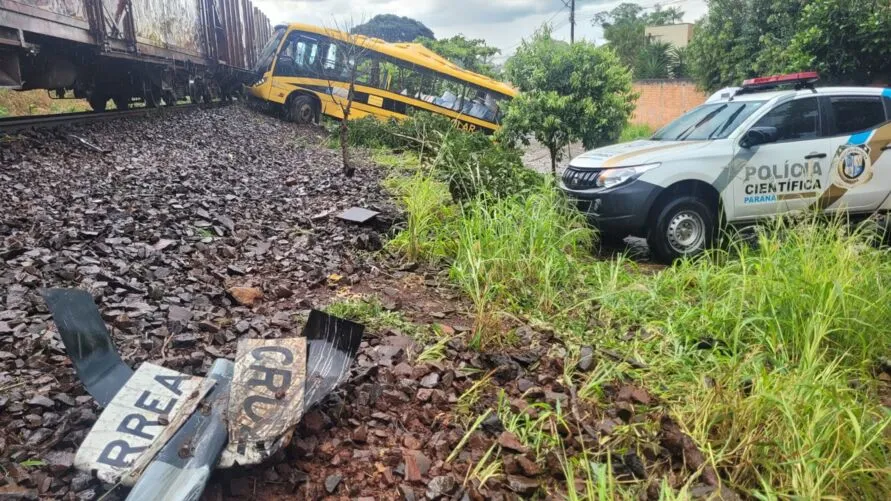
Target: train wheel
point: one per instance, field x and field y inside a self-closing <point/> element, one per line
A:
<point x="169" y="98"/>
<point x="152" y="98"/>
<point x="98" y="102"/>
<point x="121" y="102"/>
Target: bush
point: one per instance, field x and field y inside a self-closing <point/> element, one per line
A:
<point x="633" y="132"/>
<point x="472" y="164"/>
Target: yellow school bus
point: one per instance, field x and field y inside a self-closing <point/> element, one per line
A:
<point x="305" y="70"/>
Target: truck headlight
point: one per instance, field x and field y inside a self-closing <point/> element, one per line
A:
<point x="614" y="177"/>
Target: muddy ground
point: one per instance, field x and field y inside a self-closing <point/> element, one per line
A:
<point x="162" y="216"/>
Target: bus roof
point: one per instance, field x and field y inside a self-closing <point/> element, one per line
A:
<point x="414" y="53"/>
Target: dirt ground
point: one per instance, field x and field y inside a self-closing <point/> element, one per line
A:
<point x="178" y="211"/>
<point x="37" y="102"/>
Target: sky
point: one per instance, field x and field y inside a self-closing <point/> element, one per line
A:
<point x="502" y="23"/>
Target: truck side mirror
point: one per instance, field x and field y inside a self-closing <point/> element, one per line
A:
<point x="759" y="135"/>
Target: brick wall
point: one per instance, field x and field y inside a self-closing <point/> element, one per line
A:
<point x="661" y="101"/>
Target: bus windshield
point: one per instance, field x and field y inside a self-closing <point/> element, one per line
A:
<point x="709" y="121"/>
<point x="264" y="61"/>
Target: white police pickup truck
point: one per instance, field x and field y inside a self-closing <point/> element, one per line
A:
<point x="746" y="154"/>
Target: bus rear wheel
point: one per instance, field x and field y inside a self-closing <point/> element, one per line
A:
<point x="302" y="110"/>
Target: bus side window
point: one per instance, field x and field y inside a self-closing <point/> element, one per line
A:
<point x="367" y="70"/>
<point x="298" y="56"/>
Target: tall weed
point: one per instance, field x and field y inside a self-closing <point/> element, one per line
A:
<point x="428" y="209"/>
<point x="520" y="253"/>
<point x="758" y="351"/>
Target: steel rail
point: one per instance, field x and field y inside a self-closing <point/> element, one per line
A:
<point x="13" y="124"/>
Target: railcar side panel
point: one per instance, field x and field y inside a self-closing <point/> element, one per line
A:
<point x="169" y="23"/>
<point x="68" y="8"/>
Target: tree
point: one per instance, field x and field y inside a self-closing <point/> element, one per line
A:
<point x="350" y="52"/>
<point x="739" y="39"/>
<point x="679" y="62"/>
<point x="624" y="28"/>
<point x="848" y="41"/>
<point x="570" y="92"/>
<point x="654" y="61"/>
<point x="473" y="55"/>
<point x="394" y="28"/>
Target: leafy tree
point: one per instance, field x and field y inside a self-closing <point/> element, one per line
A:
<point x="845" y="40"/>
<point x="679" y="62"/>
<point x="739" y="39"/>
<point x="394" y="28"/>
<point x="575" y="92"/>
<point x="624" y="28"/>
<point x="473" y="55"/>
<point x="654" y="61"/>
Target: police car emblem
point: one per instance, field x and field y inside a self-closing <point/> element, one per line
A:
<point x="852" y="165"/>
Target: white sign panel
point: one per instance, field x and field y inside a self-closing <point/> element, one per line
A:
<point x="132" y="421"/>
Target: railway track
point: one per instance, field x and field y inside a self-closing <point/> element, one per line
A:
<point x="13" y="124"/>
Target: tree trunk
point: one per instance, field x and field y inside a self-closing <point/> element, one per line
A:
<point x="348" y="170"/>
<point x="553" y="161"/>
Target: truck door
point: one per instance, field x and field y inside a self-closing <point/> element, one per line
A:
<point x="859" y="174"/>
<point x="791" y="168"/>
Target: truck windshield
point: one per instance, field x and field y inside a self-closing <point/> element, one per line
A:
<point x="709" y="121"/>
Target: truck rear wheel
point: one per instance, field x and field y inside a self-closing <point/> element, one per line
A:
<point x="684" y="227"/>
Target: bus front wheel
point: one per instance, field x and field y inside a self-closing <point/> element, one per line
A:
<point x="302" y="110"/>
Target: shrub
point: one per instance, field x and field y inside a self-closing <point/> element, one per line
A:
<point x="471" y="164"/>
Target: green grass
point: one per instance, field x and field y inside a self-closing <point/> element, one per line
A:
<point x="427" y="206"/>
<point x="793" y="322"/>
<point x="3" y="112"/>
<point x="764" y="355"/>
<point x="632" y="132"/>
<point x="369" y="311"/>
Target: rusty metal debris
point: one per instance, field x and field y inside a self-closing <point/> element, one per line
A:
<point x="254" y="405"/>
<point x="358" y="215"/>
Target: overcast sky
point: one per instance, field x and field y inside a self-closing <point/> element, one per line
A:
<point x="503" y="23"/>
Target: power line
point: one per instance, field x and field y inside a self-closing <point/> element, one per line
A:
<point x="554" y="16"/>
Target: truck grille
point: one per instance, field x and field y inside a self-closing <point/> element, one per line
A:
<point x="580" y="179"/>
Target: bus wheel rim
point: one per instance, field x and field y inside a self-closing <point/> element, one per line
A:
<point x="305" y="113"/>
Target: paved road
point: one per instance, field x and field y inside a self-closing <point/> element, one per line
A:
<point x="538" y="158"/>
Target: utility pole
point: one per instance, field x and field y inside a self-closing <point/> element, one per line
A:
<point x="570" y="4"/>
<point x="572" y="23"/>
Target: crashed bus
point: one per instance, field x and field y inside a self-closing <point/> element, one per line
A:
<point x="306" y="71"/>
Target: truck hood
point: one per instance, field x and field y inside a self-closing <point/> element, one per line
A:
<point x="636" y="153"/>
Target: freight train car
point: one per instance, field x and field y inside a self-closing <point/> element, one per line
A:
<point x="154" y="51"/>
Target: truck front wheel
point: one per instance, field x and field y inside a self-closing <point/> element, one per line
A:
<point x="684" y="227"/>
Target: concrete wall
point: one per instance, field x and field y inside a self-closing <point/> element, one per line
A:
<point x="662" y="101"/>
<point x="678" y="35"/>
